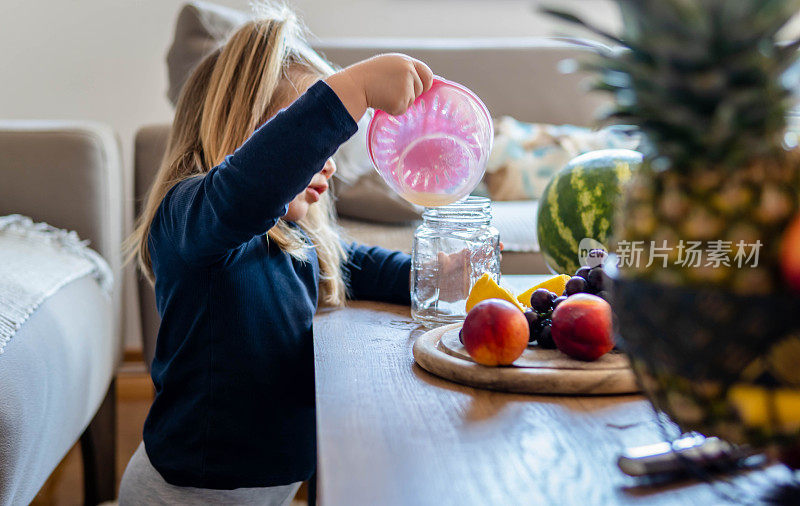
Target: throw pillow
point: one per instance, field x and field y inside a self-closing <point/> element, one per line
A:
<point x="525" y="156"/>
<point x="201" y="27"/>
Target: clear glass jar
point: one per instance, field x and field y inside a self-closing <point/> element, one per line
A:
<point x="453" y="247"/>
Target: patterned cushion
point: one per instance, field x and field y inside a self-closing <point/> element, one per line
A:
<point x="525" y="156"/>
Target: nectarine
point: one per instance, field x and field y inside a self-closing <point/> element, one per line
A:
<point x="495" y="332"/>
<point x="582" y="327"/>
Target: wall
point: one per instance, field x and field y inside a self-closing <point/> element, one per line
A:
<point x="441" y="18"/>
<point x="104" y="60"/>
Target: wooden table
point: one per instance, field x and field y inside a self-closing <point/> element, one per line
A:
<point x="389" y="433"/>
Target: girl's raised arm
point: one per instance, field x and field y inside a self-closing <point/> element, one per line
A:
<point x="207" y="217"/>
<point x="244" y="196"/>
<point x="389" y="82"/>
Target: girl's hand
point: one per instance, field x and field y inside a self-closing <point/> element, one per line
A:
<point x="453" y="279"/>
<point x="389" y="82"/>
<point x="453" y="275"/>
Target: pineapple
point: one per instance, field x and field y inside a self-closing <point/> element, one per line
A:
<point x="704" y="81"/>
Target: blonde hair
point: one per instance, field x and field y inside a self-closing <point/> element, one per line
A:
<point x="262" y="67"/>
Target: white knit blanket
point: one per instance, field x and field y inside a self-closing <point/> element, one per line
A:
<point x="35" y="261"/>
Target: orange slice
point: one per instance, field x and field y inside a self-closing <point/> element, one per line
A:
<point x="555" y="284"/>
<point x="487" y="288"/>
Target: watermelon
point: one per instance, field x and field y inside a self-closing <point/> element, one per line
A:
<point x="579" y="203"/>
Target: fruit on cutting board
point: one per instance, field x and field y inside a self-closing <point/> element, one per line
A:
<point x="542" y="302"/>
<point x="579" y="203"/>
<point x="487" y="288"/>
<point x="760" y="407"/>
<point x="555" y="284"/>
<point x="495" y="332"/>
<point x="790" y="254"/>
<point x="588" y="279"/>
<point x="581" y="327"/>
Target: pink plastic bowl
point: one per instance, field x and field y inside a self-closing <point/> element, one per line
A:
<point x="435" y="153"/>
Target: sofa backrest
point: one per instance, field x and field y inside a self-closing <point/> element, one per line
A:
<point x="149" y="147"/>
<point x="522" y="78"/>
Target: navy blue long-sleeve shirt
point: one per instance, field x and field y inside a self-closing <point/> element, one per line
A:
<point x="234" y="366"/>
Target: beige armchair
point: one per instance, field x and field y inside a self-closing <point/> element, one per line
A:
<point x="57" y="373"/>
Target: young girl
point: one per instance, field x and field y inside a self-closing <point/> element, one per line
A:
<point x="239" y="238"/>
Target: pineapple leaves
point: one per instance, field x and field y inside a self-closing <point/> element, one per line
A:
<point x="772" y="15"/>
<point x="705" y="80"/>
<point x="787" y="53"/>
<point x="573" y="19"/>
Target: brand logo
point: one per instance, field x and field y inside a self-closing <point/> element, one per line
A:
<point x="591" y="252"/>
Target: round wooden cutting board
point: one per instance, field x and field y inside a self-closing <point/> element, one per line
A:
<point x="537" y="371"/>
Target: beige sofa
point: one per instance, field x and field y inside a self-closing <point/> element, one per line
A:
<point x="519" y="78"/>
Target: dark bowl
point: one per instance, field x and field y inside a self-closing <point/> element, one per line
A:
<point x="718" y="363"/>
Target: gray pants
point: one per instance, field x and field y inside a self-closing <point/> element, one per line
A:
<point x="142" y="485"/>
